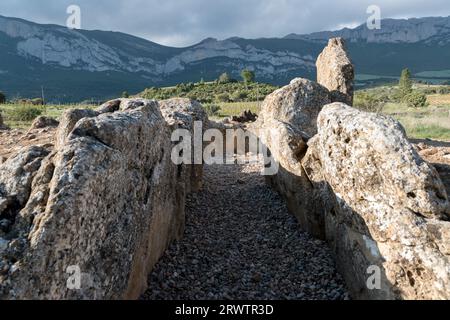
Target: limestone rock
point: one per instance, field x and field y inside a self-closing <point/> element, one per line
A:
<point x="384" y="205"/>
<point x="182" y="114"/>
<point x="104" y="205"/>
<point x="298" y="104"/>
<point x="110" y="106"/>
<point x="44" y="122"/>
<point x="68" y="121"/>
<point x="335" y="71"/>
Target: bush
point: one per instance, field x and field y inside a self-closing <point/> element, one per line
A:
<point x="24" y="113"/>
<point x="369" y="102"/>
<point x="224" y="78"/>
<point x="2" y="97"/>
<point x="223" y="97"/>
<point x="212" y="110"/>
<point x="416" y="100"/>
<point x="239" y="96"/>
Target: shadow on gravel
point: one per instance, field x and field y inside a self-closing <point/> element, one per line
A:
<point x="242" y="243"/>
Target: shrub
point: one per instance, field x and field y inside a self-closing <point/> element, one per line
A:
<point x="239" y="96"/>
<point x="223" y="97"/>
<point x="212" y="110"/>
<point x="224" y="78"/>
<point x="2" y="97"/>
<point x="368" y="102"/>
<point x="416" y="100"/>
<point x="248" y="76"/>
<point x="24" y="113"/>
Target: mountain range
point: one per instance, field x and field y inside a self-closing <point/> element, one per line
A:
<point x="74" y="65"/>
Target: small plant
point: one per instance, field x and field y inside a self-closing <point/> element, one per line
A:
<point x="24" y="113"/>
<point x="416" y="100"/>
<point x="212" y="110"/>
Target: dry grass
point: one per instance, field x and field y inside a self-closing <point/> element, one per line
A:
<point x="439" y="99"/>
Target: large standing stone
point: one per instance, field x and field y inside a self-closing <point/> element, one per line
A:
<point x="335" y="71"/>
<point x="106" y="202"/>
<point x="384" y="205"/>
<point x="182" y="114"/>
<point x="298" y="104"/>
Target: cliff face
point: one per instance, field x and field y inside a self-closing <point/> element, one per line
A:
<point x="392" y="31"/>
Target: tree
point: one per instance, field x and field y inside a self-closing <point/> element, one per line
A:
<point x="416" y="100"/>
<point x="405" y="84"/>
<point x="248" y="76"/>
<point x="224" y="78"/>
<point x="2" y="97"/>
<point x="125" y="94"/>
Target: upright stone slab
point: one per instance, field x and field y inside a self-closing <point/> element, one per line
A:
<point x="335" y="71"/>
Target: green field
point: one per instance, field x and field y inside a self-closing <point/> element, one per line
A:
<point x="14" y="116"/>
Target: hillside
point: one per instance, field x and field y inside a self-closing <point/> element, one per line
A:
<point x="76" y="65"/>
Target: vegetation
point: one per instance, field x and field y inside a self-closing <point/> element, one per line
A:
<point x="213" y="92"/>
<point x="416" y="100"/>
<point x="2" y="98"/>
<point x="405" y="86"/>
<point x="248" y="76"/>
<point x="212" y="110"/>
<point x="224" y="78"/>
<point x="125" y="94"/>
<point x="24" y="113"/>
<point x="369" y="102"/>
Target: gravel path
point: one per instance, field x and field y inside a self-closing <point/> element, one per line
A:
<point x="241" y="243"/>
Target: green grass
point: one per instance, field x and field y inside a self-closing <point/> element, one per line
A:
<point x="432" y="122"/>
<point x="235" y="108"/>
<point x="13" y="113"/>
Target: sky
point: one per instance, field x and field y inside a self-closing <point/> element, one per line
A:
<point x="186" y="22"/>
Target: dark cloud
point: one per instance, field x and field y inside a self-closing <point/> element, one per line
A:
<point x="185" y="22"/>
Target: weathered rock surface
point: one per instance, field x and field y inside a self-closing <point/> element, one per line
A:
<point x="106" y="201"/>
<point x="44" y="122"/>
<point x="68" y="121"/>
<point x="335" y="71"/>
<point x="298" y="104"/>
<point x="384" y="205"/>
<point x="183" y="114"/>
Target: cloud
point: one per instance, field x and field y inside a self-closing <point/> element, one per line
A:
<point x="185" y="22"/>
